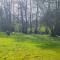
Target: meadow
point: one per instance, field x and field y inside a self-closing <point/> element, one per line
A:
<point x="20" y="46"/>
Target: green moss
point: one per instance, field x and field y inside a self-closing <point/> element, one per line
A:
<point x="20" y="46"/>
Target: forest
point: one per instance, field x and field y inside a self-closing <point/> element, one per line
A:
<point x="30" y="16"/>
<point x="29" y="29"/>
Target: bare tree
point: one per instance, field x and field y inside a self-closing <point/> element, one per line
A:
<point x="36" y="25"/>
<point x="30" y="16"/>
<point x="26" y="15"/>
<point x="7" y="10"/>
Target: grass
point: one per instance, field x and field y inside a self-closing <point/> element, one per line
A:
<point x="29" y="47"/>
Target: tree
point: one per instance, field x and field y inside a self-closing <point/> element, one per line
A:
<point x="7" y="10"/>
<point x="26" y="15"/>
<point x="36" y="25"/>
<point x="30" y="16"/>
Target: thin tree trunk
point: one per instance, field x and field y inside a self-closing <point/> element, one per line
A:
<point x="21" y="9"/>
<point x="30" y="16"/>
<point x="26" y="15"/>
<point x="36" y="26"/>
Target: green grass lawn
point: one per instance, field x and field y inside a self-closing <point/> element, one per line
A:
<point x="29" y="47"/>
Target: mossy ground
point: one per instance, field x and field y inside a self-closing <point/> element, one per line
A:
<point x="29" y="47"/>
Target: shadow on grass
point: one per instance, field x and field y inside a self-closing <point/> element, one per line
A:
<point x="42" y="41"/>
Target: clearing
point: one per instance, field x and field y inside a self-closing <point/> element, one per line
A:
<point x="29" y="47"/>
